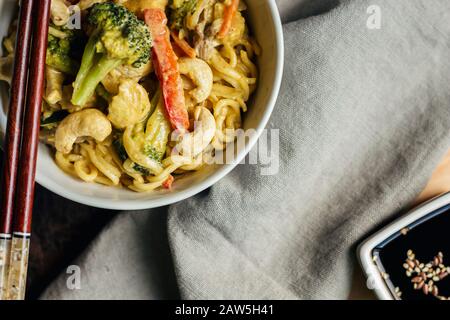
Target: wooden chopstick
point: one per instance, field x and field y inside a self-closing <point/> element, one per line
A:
<point x="20" y="243"/>
<point x="13" y="136"/>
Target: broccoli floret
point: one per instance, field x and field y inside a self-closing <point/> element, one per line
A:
<point x="122" y="153"/>
<point x="62" y="50"/>
<point x="154" y="153"/>
<point x="179" y="9"/>
<point x="58" y="55"/>
<point x="157" y="131"/>
<point x="117" y="37"/>
<point x="148" y="141"/>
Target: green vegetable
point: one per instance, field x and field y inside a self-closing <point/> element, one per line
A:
<point x="157" y="134"/>
<point x="122" y="153"/>
<point x="146" y="142"/>
<point x="54" y="118"/>
<point x="141" y="170"/>
<point x="120" y="149"/>
<point x="62" y="49"/>
<point x="117" y="37"/>
<point x="179" y="9"/>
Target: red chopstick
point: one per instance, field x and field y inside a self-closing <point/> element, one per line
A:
<point x="13" y="136"/>
<point x="20" y="242"/>
<point x="28" y="156"/>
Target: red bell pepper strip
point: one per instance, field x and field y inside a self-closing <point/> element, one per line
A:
<point x="168" y="183"/>
<point x="228" y="15"/>
<point x="166" y="68"/>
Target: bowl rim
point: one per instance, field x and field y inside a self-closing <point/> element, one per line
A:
<point x="224" y="170"/>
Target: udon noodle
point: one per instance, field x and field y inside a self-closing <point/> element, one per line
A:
<point x="118" y="159"/>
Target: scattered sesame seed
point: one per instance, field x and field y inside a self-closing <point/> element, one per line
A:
<point x="433" y="272"/>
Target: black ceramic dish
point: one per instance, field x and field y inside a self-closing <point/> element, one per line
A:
<point x="410" y="258"/>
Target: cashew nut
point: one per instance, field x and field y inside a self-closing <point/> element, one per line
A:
<point x="193" y="143"/>
<point x="59" y="12"/>
<point x="84" y="123"/>
<point x="201" y="75"/>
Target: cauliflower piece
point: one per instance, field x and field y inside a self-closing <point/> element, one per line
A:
<point x="112" y="81"/>
<point x="138" y="73"/>
<point x="138" y="6"/>
<point x="59" y="12"/>
<point x="130" y="106"/>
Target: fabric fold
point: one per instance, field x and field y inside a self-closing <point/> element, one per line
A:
<point x="363" y="118"/>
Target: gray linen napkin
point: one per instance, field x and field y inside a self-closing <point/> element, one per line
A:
<point x="363" y="117"/>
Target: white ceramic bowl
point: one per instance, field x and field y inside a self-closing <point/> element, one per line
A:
<point x="266" y="26"/>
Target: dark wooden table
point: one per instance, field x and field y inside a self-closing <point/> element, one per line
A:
<point x="61" y="230"/>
